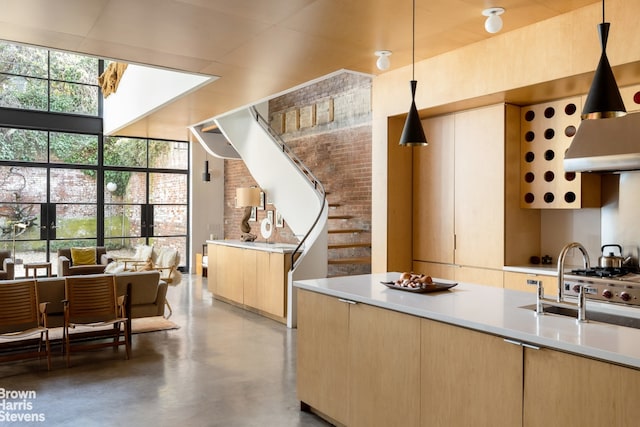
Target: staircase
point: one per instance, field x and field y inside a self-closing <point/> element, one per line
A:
<point x="349" y="244"/>
<point x="291" y="186"/>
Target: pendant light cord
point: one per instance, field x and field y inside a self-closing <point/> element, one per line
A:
<point x="602" y="11"/>
<point x="413" y="43"/>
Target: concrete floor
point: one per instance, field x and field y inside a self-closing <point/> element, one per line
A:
<point x="223" y="367"/>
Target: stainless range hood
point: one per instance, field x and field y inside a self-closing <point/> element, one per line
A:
<point x="605" y="145"/>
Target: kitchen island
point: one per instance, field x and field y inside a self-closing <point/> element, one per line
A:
<point x="370" y="355"/>
<point x="252" y="275"/>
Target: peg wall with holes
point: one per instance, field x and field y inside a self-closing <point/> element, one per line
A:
<point x="546" y="132"/>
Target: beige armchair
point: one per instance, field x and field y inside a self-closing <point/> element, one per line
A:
<point x="67" y="266"/>
<point x="7" y="272"/>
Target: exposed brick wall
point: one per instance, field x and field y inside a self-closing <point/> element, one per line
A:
<point x="336" y="148"/>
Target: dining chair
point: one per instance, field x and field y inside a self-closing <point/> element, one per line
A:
<point x="92" y="301"/>
<point x="22" y="317"/>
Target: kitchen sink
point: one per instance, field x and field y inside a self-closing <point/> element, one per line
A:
<point x="592" y="316"/>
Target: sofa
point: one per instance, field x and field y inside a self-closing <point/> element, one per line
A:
<point x="6" y="262"/>
<point x="148" y="295"/>
<point x="96" y="265"/>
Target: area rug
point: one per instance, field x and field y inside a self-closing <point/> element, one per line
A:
<point x="152" y="324"/>
<point x="138" y="326"/>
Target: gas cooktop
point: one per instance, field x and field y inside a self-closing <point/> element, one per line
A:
<point x="612" y="285"/>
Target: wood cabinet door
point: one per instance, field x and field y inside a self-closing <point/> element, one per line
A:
<point x="518" y="281"/>
<point x="480" y="276"/>
<point x="276" y="284"/>
<point x="433" y="187"/>
<point x="435" y="270"/>
<point x="213" y="270"/>
<point x="384" y="364"/>
<point x="322" y="345"/>
<point x="479" y="187"/>
<point x="562" y="389"/>
<point x="250" y="277"/>
<point x="469" y="378"/>
<point x="230" y="279"/>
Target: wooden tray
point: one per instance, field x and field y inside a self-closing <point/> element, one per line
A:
<point x="434" y="287"/>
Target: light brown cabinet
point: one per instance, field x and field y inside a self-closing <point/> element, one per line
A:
<point x="364" y="365"/>
<point x="357" y="364"/>
<point x="547" y="132"/>
<point x="518" y="281"/>
<point x="462" y="188"/>
<point x="253" y="279"/>
<point x="384" y="367"/>
<point x="323" y="354"/>
<point x="469" y="378"/>
<point x="566" y="390"/>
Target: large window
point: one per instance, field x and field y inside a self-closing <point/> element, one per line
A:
<point x="61" y="183"/>
<point x="34" y="78"/>
<point x="146" y="188"/>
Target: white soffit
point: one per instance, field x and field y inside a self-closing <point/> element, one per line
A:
<point x="143" y="90"/>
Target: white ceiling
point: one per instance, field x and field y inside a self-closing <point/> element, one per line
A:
<point x="258" y="48"/>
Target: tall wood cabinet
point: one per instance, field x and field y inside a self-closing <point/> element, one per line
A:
<point x="461" y="193"/>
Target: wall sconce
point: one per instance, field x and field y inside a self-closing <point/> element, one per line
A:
<point x="16" y="226"/>
<point x="206" y="176"/>
<point x="383" y="59"/>
<point x="247" y="198"/>
<point x="493" y="24"/>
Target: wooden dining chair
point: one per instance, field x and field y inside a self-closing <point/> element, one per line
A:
<point x="21" y="318"/>
<point x="92" y="301"/>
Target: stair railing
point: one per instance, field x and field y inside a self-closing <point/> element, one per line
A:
<point x="315" y="182"/>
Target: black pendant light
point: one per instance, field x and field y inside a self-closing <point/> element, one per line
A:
<point x="413" y="134"/>
<point x="603" y="100"/>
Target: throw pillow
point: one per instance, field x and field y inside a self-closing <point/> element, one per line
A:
<point x="143" y="252"/>
<point x="83" y="256"/>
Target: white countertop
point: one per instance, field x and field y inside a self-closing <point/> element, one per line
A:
<point x="493" y="310"/>
<point x="260" y="246"/>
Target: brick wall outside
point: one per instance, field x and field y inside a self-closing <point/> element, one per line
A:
<point x="336" y="148"/>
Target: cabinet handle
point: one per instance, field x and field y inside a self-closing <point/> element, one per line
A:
<point x="347" y="301"/>
<point x="522" y="344"/>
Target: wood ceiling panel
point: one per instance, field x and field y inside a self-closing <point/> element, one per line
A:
<point x="257" y="47"/>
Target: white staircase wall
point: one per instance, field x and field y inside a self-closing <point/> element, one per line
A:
<point x="288" y="189"/>
<point x="214" y="143"/>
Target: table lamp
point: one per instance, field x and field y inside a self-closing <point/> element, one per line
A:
<point x="16" y="226"/>
<point x="247" y="198"/>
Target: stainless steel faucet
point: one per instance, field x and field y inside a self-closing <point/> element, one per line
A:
<point x="561" y="257"/>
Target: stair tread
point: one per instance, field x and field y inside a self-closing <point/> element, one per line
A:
<point x="354" y="260"/>
<point x="349" y="245"/>
<point x="347" y="230"/>
<point x="340" y="216"/>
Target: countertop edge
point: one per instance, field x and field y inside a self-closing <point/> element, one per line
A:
<point x="259" y="246"/>
<point x="554" y="332"/>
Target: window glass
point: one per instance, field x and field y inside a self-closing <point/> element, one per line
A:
<point x="131" y="152"/>
<point x="23" y="92"/>
<point x="162" y="188"/>
<point x="74" y="98"/>
<point x="125" y="187"/>
<point x="23" y="184"/>
<point x="73" y="186"/>
<point x="23" y="145"/>
<point x="73" y="148"/>
<point x="168" y="154"/>
<point x="23" y="60"/>
<point x="70" y="67"/>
